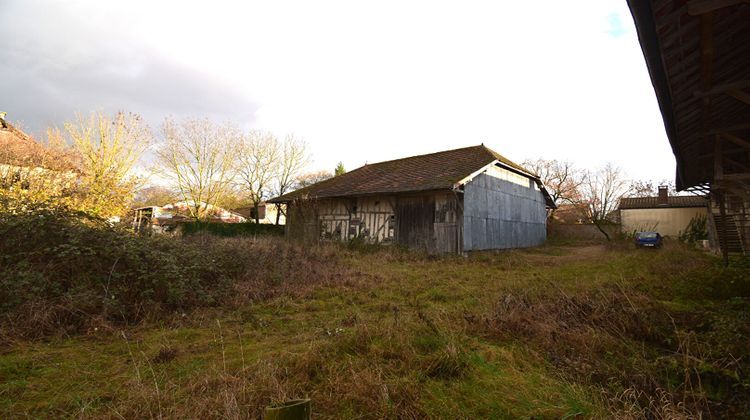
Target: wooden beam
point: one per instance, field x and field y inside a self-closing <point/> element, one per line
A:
<point x="736" y="186"/>
<point x="707" y="52"/>
<point x="740" y="96"/>
<point x="736" y="140"/>
<point x="718" y="161"/>
<point x="735" y="177"/>
<point x="723" y="235"/>
<point x="706" y="68"/>
<point x="699" y="7"/>
<point x="722" y="89"/>
<point x="735" y="163"/>
<point x="723" y="130"/>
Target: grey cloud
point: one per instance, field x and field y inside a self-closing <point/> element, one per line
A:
<point x="48" y="73"/>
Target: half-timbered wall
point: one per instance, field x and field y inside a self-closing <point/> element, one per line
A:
<point x="430" y="221"/>
<point x="503" y="210"/>
<point x="498" y="209"/>
<point x="371" y="218"/>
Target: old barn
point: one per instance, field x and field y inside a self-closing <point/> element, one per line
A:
<point x="446" y="202"/>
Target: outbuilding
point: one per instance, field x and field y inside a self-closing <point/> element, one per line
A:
<point x="668" y="215"/>
<point x="446" y="202"/>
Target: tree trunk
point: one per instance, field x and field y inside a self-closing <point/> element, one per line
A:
<point x="256" y="208"/>
<point x="598" y="226"/>
<point x="278" y="213"/>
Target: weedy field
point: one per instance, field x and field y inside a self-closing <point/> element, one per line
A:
<point x="220" y="327"/>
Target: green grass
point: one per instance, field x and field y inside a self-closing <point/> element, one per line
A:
<point x="478" y="337"/>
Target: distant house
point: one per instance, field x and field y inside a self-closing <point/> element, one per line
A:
<point x="267" y="213"/>
<point x="26" y="165"/>
<point x="452" y="201"/>
<point x="167" y="217"/>
<point x="669" y="215"/>
<point x="570" y="214"/>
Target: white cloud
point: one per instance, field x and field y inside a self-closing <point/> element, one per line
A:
<point x="380" y="80"/>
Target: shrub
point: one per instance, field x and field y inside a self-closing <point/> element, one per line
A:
<point x="232" y="229"/>
<point x="695" y="230"/>
<point x="64" y="272"/>
<point x="54" y="258"/>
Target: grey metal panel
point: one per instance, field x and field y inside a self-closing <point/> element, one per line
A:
<point x="479" y="233"/>
<point x="502" y="214"/>
<point x="467" y="240"/>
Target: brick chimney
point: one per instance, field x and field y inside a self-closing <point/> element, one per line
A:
<point x="663" y="198"/>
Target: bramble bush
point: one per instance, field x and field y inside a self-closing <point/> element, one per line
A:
<point x="60" y="268"/>
<point x="62" y="272"/>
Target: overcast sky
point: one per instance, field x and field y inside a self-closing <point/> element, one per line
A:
<point x="359" y="81"/>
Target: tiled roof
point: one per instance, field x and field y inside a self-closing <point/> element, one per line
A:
<point x="434" y="171"/>
<point x="653" y="202"/>
<point x="20" y="149"/>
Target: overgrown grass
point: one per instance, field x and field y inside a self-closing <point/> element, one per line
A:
<point x="563" y="330"/>
<point x="63" y="273"/>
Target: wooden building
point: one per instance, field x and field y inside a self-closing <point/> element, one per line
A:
<point x="698" y="57"/>
<point x="268" y="213"/>
<point x="446" y="202"/>
<point x="169" y="217"/>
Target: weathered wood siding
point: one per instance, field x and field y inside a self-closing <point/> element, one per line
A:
<point x="447" y="223"/>
<point x="503" y="210"/>
<point x="367" y="217"/>
<point x="415" y="217"/>
<point x="429" y="221"/>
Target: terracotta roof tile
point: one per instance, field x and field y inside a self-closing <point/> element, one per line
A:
<point x="653" y="202"/>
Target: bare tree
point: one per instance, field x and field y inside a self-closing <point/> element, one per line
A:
<point x="562" y="179"/>
<point x="600" y="194"/>
<point x="292" y="160"/>
<point x="108" y="149"/>
<point x="257" y="163"/>
<point x="311" y="178"/>
<point x="649" y="188"/>
<point x="155" y="196"/>
<point x="197" y="156"/>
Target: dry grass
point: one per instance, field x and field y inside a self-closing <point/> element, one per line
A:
<point x="547" y="333"/>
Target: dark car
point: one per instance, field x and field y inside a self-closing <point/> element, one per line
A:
<point x="648" y="239"/>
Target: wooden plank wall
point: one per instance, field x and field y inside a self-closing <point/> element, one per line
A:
<point x="430" y="221"/>
<point x="415" y="217"/>
<point x="447" y="223"/>
<point x="371" y="218"/>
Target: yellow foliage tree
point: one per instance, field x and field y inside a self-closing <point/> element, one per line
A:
<point x="108" y="149"/>
<point x="86" y="167"/>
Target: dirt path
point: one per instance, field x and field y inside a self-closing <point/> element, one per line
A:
<point x="586" y="251"/>
<point x="572" y="254"/>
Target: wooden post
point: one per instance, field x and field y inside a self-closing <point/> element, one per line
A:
<point x="720" y="196"/>
<point x="290" y="410"/>
<point x="723" y="212"/>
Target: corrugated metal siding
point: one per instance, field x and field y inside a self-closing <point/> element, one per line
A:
<point x="503" y="211"/>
